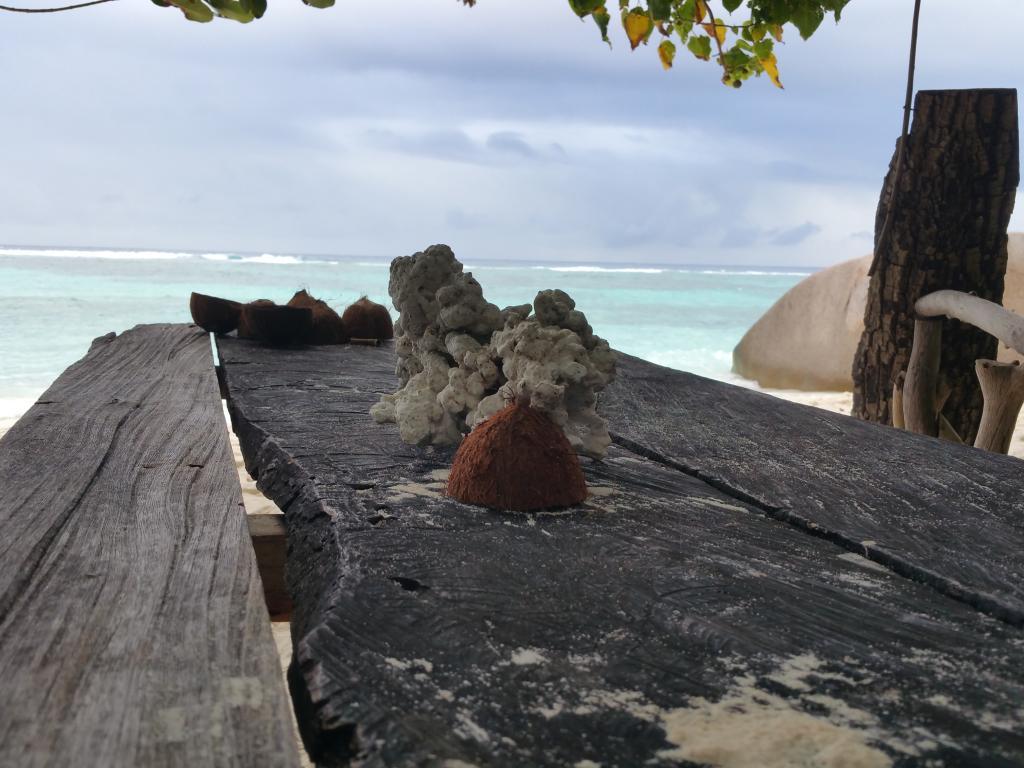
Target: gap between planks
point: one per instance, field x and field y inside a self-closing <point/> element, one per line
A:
<point x="944" y="586"/>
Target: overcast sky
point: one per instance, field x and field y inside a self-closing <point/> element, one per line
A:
<point x="507" y="130"/>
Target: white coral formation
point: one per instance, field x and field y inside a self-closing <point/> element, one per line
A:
<point x="461" y="360"/>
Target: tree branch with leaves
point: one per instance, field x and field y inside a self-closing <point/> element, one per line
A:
<point x="742" y="45"/>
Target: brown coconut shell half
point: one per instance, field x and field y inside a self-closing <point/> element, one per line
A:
<point x="276" y="325"/>
<point x="517" y="460"/>
<point x="327" y="325"/>
<point x="214" y="315"/>
<point x="367" y="319"/>
<point x="245" y="330"/>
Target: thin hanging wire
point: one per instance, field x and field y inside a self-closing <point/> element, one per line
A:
<point x="883" y="236"/>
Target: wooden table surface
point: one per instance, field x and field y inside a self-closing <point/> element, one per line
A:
<point x="749" y="580"/>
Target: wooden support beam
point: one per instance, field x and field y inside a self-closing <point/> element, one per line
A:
<point x="270" y="543"/>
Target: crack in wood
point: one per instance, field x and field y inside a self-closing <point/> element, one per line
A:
<point x="945" y="586"/>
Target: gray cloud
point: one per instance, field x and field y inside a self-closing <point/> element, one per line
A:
<point x="508" y="125"/>
<point x="795" y="235"/>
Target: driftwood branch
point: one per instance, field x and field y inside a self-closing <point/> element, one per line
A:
<point x="53" y="10"/>
<point x="920" y="408"/>
<point x="897" y="400"/>
<point x="1003" y="387"/>
<point x="998" y="321"/>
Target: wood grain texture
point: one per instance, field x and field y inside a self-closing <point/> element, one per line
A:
<point x="950" y="516"/>
<point x="270" y="544"/>
<point x="132" y="625"/>
<point x="427" y="630"/>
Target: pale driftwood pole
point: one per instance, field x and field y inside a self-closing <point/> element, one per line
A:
<point x="1002" y="384"/>
<point x="1003" y="387"/>
<point x="998" y="321"/>
<point x="897" y="400"/>
<point x="920" y="409"/>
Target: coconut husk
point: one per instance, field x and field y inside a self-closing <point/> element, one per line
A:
<point x="328" y="327"/>
<point x="245" y="330"/>
<point x="214" y="315"/>
<point x="278" y="326"/>
<point x="517" y="460"/>
<point x="367" y="319"/>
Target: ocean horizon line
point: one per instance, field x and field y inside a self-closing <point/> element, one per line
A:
<point x="290" y="259"/>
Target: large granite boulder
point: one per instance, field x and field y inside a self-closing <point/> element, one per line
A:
<point x="807" y="340"/>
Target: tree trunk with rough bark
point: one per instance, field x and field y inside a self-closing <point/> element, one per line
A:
<point x="950" y="216"/>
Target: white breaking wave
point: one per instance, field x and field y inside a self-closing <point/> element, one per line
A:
<point x="270" y="258"/>
<point x="637" y="270"/>
<point x="769" y="272"/>
<point x="72" y="253"/>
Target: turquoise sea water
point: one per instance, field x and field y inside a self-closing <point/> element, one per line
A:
<point x="53" y="302"/>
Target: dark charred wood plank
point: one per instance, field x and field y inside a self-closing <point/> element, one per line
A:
<point x="947" y="515"/>
<point x="428" y="631"/>
<point x="132" y="625"/>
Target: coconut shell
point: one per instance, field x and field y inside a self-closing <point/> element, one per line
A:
<point x="517" y="460"/>
<point x="367" y="319"/>
<point x="214" y="315"/>
<point x="275" y="325"/>
<point x="245" y="330"/>
<point x="327" y="325"/>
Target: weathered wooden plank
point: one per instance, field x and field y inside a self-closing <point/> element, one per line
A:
<point x="270" y="543"/>
<point x="949" y="516"/>
<point x="132" y="625"/>
<point x="426" y="630"/>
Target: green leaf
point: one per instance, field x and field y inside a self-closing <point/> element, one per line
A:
<point x="731" y="5"/>
<point x="700" y="46"/>
<point x="734" y="58"/>
<point x="236" y="10"/>
<point x="667" y="53"/>
<point x="660" y="10"/>
<point x="764" y="48"/>
<point x="807" y="19"/>
<point x="194" y="10"/>
<point x="638" y="26"/>
<point x="583" y="8"/>
<point x="319" y="3"/>
<point x="601" y="17"/>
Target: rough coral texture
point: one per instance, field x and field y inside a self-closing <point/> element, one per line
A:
<point x="461" y="359"/>
<point x="519" y="461"/>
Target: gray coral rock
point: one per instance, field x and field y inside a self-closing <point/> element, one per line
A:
<point x="461" y="360"/>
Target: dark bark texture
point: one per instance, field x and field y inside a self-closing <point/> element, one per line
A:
<point x="950" y="216"/>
